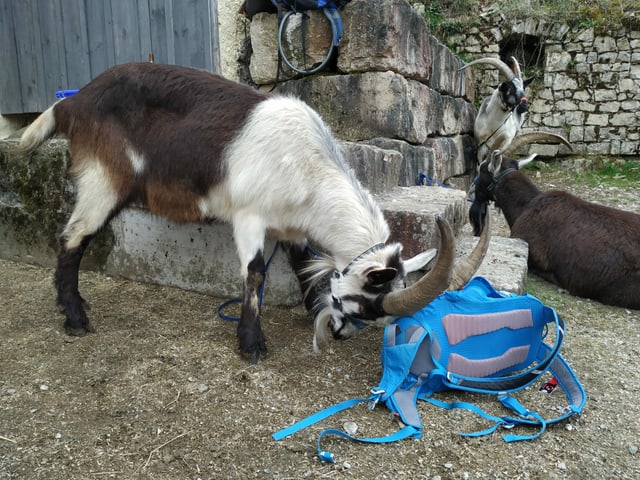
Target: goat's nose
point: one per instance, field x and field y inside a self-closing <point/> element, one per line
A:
<point x="523" y="105"/>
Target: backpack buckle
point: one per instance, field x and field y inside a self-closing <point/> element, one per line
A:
<point x="376" y="394"/>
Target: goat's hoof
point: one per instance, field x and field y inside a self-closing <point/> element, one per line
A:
<point x="253" y="353"/>
<point x="253" y="358"/>
<point x="79" y="331"/>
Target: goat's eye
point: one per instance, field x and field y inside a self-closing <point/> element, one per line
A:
<point x="337" y="303"/>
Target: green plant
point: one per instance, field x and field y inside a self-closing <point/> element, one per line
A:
<point x="619" y="173"/>
<point x="439" y="23"/>
<point x="597" y="14"/>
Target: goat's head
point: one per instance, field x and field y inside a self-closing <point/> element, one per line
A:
<point x="370" y="290"/>
<point x="495" y="168"/>
<point x="511" y="91"/>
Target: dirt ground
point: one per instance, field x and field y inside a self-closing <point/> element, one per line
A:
<point x="160" y="392"/>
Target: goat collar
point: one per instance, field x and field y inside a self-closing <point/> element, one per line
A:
<point x="377" y="246"/>
<point x="496" y="179"/>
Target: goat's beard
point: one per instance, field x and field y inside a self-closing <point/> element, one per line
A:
<point x="321" y="324"/>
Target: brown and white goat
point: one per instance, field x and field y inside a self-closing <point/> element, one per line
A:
<point x="502" y="114"/>
<point x="190" y="146"/>
<point x="592" y="251"/>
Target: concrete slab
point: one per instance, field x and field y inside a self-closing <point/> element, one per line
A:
<point x="202" y="257"/>
<point x="505" y="265"/>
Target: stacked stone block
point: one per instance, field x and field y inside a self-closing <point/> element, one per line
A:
<point x="393" y="80"/>
<point x="591" y="87"/>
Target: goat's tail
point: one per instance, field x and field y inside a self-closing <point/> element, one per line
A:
<point x="40" y="130"/>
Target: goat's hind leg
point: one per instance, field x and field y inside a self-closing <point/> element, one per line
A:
<point x="96" y="203"/>
<point x="69" y="300"/>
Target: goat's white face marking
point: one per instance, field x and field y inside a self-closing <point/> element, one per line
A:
<point x="137" y="160"/>
<point x="513" y="95"/>
<point x="355" y="296"/>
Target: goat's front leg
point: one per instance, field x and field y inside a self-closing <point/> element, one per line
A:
<point x="250" y="335"/>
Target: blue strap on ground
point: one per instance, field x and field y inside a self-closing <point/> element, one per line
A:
<point x="406" y="432"/>
<point x="317" y="417"/>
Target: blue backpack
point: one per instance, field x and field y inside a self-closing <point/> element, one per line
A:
<point x="475" y="339"/>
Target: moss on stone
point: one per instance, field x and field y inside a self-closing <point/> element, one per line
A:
<point x="40" y="198"/>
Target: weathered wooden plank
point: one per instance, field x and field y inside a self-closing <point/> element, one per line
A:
<point x="49" y="45"/>
<point x="126" y="41"/>
<point x="144" y="29"/>
<point x="214" y="38"/>
<point x="10" y="96"/>
<point x="161" y="30"/>
<point x="100" y="43"/>
<point x="54" y="62"/>
<point x="76" y="42"/>
<point x="30" y="70"/>
<point x="190" y="30"/>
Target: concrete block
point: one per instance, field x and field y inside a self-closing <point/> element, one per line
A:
<point x="445" y="76"/>
<point x="411" y="213"/>
<point x="505" y="264"/>
<point x="194" y="256"/>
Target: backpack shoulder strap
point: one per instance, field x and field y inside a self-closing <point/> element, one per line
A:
<point x="545" y="355"/>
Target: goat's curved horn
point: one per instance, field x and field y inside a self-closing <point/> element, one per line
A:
<point x="409" y="300"/>
<point x="496" y="62"/>
<point x="516" y="67"/>
<point x="534" y="137"/>
<point x="469" y="266"/>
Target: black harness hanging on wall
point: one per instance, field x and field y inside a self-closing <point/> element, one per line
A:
<point x="284" y="9"/>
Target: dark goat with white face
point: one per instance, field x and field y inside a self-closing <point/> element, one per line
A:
<point x="502" y="114"/>
<point x="590" y="250"/>
<point x="191" y="146"/>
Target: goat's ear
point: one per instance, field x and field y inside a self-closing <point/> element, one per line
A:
<point x="495" y="163"/>
<point x="527" y="160"/>
<point x="477" y="214"/>
<point x="420" y="260"/>
<point x="526" y="82"/>
<point x="380" y="276"/>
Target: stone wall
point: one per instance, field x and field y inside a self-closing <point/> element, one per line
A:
<point x="590" y="85"/>
<point x="392" y="84"/>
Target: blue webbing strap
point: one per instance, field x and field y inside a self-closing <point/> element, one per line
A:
<point x="224" y="305"/>
<point x="407" y="431"/>
<point x="567" y="380"/>
<point x="498" y="421"/>
<point x="317" y="417"/>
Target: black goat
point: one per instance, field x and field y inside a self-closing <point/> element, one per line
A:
<point x="590" y="250"/>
